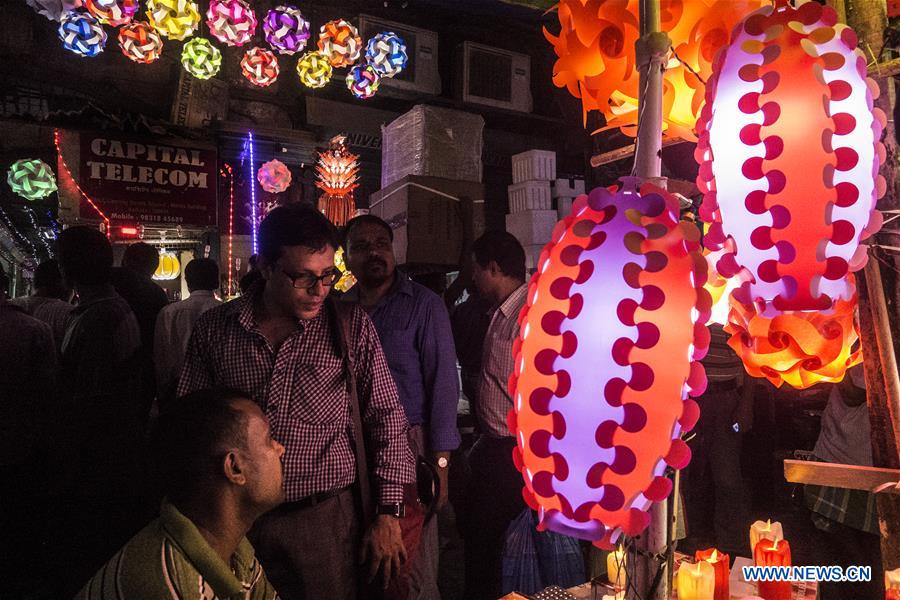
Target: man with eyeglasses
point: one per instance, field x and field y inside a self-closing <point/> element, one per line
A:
<point x="280" y="344"/>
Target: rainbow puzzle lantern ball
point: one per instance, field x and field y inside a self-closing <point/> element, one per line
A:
<point x="314" y="70"/>
<point x="286" y="29"/>
<point x="232" y="22"/>
<point x="363" y="81"/>
<point x="608" y="353"/>
<point x="113" y="12"/>
<point x="140" y="42"/>
<point x="82" y="34"/>
<point x="200" y="58"/>
<point x="174" y="19"/>
<point x="386" y="53"/>
<point x="260" y="67"/>
<point x="339" y="41"/>
<point x="31" y="178"/>
<point x="274" y="176"/>
<point x="169" y="267"/>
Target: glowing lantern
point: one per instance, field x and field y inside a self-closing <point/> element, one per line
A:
<point x="174" y="19"/>
<point x="597" y="61"/>
<point x="600" y="409"/>
<point x="314" y="70"/>
<point x="274" y="176"/>
<point x="54" y="9"/>
<point x="169" y="268"/>
<point x="286" y="29"/>
<point x="31" y="178"/>
<point x="386" y="53"/>
<point x="260" y="67"/>
<point x="338" y="171"/>
<point x="200" y="58"/>
<point x="113" y="12"/>
<point x="140" y="42"/>
<point x="339" y="41"/>
<point x="232" y="22"/>
<point x="82" y="34"/>
<point x="347" y="279"/>
<point x="363" y="81"/>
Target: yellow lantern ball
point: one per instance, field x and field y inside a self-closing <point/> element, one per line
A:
<point x="175" y="19"/>
<point x="169" y="268"/>
<point x="314" y="69"/>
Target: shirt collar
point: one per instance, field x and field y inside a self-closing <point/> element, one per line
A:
<point x="513" y="303"/>
<point x="402" y="285"/>
<point x="245" y="314"/>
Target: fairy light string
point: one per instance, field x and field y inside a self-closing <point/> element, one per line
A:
<point x="65" y="166"/>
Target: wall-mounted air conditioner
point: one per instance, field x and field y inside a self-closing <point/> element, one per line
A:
<point x="421" y="74"/>
<point x="495" y="77"/>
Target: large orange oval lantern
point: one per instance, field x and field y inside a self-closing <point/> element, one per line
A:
<point x="607" y="356"/>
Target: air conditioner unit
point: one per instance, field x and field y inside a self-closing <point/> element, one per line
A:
<point x="495" y="77"/>
<point x="421" y="74"/>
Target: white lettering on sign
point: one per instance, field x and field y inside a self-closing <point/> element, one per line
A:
<point x="185" y="158"/>
<point x="146" y="175"/>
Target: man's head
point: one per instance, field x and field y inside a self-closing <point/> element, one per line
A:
<point x="202" y="274"/>
<point x="297" y="245"/>
<point x="217" y="441"/>
<point x="141" y="258"/>
<point x="368" y="242"/>
<point x="499" y="262"/>
<point x="85" y="256"/>
<point x="48" y="281"/>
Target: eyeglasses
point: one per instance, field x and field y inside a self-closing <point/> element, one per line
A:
<point x="307" y="281"/>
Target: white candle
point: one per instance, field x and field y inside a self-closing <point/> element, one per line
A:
<point x="696" y="581"/>
<point x="765" y="530"/>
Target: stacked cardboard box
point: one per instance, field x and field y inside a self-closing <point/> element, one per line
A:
<point x="564" y="192"/>
<point x="532" y="217"/>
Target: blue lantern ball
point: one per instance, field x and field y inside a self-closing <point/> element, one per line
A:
<point x="386" y="53"/>
<point x="82" y="34"/>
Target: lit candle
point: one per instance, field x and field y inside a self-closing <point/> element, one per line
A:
<point x="617" y="596"/>
<point x="773" y="553"/>
<point x="765" y="531"/>
<point x="720" y="565"/>
<point x="615" y="568"/>
<point x="892" y="585"/>
<point x="696" y="581"/>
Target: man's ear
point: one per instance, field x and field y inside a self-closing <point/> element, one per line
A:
<point x="494" y="268"/>
<point x="233" y="468"/>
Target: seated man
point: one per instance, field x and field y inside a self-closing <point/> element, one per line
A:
<point x="220" y="470"/>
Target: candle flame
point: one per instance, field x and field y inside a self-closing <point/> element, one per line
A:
<point x="698" y="569"/>
<point x="714" y="557"/>
<point x="768" y="524"/>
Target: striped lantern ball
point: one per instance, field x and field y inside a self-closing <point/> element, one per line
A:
<point x="113" y="12"/>
<point x="286" y="30"/>
<point x="31" y="179"/>
<point x="314" y="70"/>
<point x="260" y="67"/>
<point x="363" y="81"/>
<point x="386" y="53"/>
<point x="82" y="34"/>
<point x="339" y="41"/>
<point x="232" y="22"/>
<point x="200" y="58"/>
<point x="174" y="19"/>
<point x="140" y="42"/>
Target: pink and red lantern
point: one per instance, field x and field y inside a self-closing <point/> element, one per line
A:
<point x="274" y="176"/>
<point x="113" y="12"/>
<point x="607" y="357"/>
<point x="232" y="22"/>
<point x="260" y="67"/>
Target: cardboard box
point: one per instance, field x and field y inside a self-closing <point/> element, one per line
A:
<point x="532" y="226"/>
<point x="532" y="254"/>
<point x="426" y="216"/>
<point x="564" y="207"/>
<point x="529" y="195"/>
<point x="537" y="165"/>
<point x="567" y="188"/>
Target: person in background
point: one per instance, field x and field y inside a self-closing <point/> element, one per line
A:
<point x="221" y="470"/>
<point x="176" y="321"/>
<point x="252" y="276"/>
<point x="494" y="496"/>
<point x="470" y="321"/>
<point x="51" y="301"/>
<point x="414" y="329"/>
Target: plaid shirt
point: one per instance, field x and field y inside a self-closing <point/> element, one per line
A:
<point x="302" y="391"/>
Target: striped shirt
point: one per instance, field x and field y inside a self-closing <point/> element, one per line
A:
<point x="497" y="363"/>
<point x="302" y="390"/>
<point x="721" y="362"/>
<point x="170" y="559"/>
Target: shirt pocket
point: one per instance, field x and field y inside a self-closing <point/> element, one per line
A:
<point x="320" y="394"/>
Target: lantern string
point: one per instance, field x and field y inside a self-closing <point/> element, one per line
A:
<point x="31" y="217"/>
<point x="687" y="66"/>
<point x="16" y="231"/>
<point x="642" y="102"/>
<point x="62" y="161"/>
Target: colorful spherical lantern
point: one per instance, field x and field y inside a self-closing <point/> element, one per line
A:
<point x="314" y="70"/>
<point x="232" y="22"/>
<point x="82" y="34"/>
<point x="174" y="19"/>
<point x="608" y="355"/>
<point x="113" y="12"/>
<point x="200" y="58"/>
<point x="386" y="53"/>
<point x="363" y="81"/>
<point x="274" y="176"/>
<point x="339" y="41"/>
<point x="169" y="267"/>
<point x="31" y="178"/>
<point x="260" y="67"/>
<point x="140" y="42"/>
<point x="286" y="29"/>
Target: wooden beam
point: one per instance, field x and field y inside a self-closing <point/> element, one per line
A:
<point x="885" y="69"/>
<point x="852" y="477"/>
<point x="598" y="160"/>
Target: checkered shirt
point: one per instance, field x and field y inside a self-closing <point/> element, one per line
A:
<point x="303" y="392"/>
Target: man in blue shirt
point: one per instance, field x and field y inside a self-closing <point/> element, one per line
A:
<point x="414" y="328"/>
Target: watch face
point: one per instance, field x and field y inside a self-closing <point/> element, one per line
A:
<point x="443" y="462"/>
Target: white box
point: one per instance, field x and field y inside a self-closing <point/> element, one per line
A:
<point x="529" y="195"/>
<point x="532" y="255"/>
<point x="567" y="188"/>
<point x="538" y="165"/>
<point x="564" y="207"/>
<point x="532" y="226"/>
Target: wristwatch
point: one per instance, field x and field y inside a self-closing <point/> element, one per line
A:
<point x="443" y="462"/>
<point x="397" y="510"/>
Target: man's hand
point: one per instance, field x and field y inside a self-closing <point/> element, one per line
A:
<point x="443" y="489"/>
<point x="383" y="548"/>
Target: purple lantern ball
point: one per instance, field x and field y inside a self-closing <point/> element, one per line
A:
<point x="287" y="31"/>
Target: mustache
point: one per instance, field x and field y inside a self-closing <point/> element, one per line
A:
<point x="375" y="261"/>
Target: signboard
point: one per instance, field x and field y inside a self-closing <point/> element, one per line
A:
<point x="146" y="181"/>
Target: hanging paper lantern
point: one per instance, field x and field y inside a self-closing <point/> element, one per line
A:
<point x="274" y="176"/>
<point x="363" y="81"/>
<point x="174" y="19"/>
<point x="82" y="34"/>
<point x="386" y="53"/>
<point x="54" y="9"/>
<point x="286" y="29"/>
<point x="232" y="22"/>
<point x="347" y="279"/>
<point x="314" y="70"/>
<point x="260" y="67"/>
<point x="200" y="58"/>
<point x="339" y="41"/>
<point x="140" y="42"/>
<point x="597" y="61"/>
<point x="31" y="178"/>
<point x="113" y="12"/>
<point x="609" y="349"/>
<point x="338" y="172"/>
<point x="169" y="268"/>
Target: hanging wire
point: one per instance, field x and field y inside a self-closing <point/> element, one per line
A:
<point x="642" y="102"/>
<point x="687" y="66"/>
